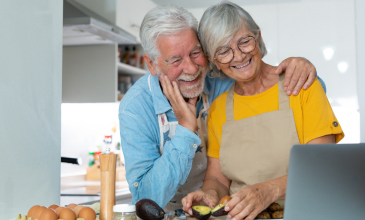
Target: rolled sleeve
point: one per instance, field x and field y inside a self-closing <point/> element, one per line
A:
<point x="186" y="141"/>
<point x="318" y="117"/>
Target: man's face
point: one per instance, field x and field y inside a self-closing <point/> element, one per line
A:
<point x="182" y="59"/>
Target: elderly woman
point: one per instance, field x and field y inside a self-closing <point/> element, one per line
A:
<point x="252" y="127"/>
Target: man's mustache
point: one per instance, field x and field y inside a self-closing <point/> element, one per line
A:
<point x="189" y="77"/>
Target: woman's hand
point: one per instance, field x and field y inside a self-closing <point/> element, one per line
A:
<point x="185" y="112"/>
<point x="298" y="71"/>
<point x="199" y="197"/>
<point x="251" y="200"/>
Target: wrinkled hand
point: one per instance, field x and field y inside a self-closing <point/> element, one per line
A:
<point x="185" y="112"/>
<point x="197" y="198"/>
<point x="250" y="201"/>
<point x="298" y="71"/>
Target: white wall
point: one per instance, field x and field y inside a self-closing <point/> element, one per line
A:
<point x="131" y="13"/>
<point x="305" y="28"/>
<point x="30" y="100"/>
<point x="83" y="128"/>
<point x="360" y="31"/>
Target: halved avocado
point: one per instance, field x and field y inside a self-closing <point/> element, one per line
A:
<point x="202" y="212"/>
<point x="149" y="210"/>
<point x="219" y="210"/>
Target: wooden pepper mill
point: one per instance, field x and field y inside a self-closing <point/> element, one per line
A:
<point x="108" y="164"/>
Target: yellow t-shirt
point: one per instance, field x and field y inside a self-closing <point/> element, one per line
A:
<point x="313" y="114"/>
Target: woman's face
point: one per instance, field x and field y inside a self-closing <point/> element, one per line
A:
<point x="243" y="67"/>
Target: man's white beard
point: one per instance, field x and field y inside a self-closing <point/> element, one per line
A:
<point x="193" y="90"/>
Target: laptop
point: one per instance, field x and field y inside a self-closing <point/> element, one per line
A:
<point x="326" y="182"/>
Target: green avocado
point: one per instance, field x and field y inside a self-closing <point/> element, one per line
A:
<point x="201" y="212"/>
<point x="149" y="210"/>
<point x="219" y="210"/>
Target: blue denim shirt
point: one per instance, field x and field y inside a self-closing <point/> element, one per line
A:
<point x="149" y="174"/>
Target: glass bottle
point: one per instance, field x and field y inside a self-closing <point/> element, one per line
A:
<point x="124" y="212"/>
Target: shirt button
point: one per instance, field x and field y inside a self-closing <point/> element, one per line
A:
<point x="195" y="146"/>
<point x="335" y="123"/>
<point x="135" y="184"/>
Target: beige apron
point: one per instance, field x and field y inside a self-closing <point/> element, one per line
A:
<point x="256" y="149"/>
<point x="196" y="176"/>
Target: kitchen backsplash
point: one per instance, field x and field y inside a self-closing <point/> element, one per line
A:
<point x="83" y="129"/>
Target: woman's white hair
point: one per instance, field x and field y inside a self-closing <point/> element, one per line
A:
<point x="164" y="20"/>
<point x="219" y="24"/>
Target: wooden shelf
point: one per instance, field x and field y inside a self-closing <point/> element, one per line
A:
<point x="128" y="69"/>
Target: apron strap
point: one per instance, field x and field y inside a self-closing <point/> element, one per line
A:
<point x="229" y="104"/>
<point x="283" y="97"/>
<point x="162" y="117"/>
<point x="149" y="82"/>
<point x="205" y="100"/>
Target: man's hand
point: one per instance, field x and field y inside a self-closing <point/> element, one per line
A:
<point x="298" y="71"/>
<point x="198" y="198"/>
<point x="185" y="112"/>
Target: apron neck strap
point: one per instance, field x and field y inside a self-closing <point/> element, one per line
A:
<point x="205" y="100"/>
<point x="229" y="104"/>
<point x="283" y="98"/>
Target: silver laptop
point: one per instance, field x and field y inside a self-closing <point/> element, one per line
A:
<point x="326" y="182"/>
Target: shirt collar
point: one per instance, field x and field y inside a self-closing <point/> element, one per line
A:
<point x="160" y="102"/>
<point x="206" y="88"/>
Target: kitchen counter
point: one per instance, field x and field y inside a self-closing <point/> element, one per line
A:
<point x="80" y="191"/>
<point x="122" y="196"/>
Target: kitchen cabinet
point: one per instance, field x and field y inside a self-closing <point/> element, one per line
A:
<point x="30" y="99"/>
<point x="90" y="44"/>
<point x="90" y="73"/>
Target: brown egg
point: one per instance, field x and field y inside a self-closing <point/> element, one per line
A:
<point x="77" y="209"/>
<point x="58" y="210"/>
<point x="87" y="213"/>
<point x="53" y="206"/>
<point x="48" y="214"/>
<point x="32" y="210"/>
<point x="71" y="205"/>
<point x="67" y="214"/>
<point x="38" y="212"/>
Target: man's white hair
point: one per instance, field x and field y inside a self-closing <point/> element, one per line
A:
<point x="164" y="20"/>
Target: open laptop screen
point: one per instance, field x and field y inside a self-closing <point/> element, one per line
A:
<point x="326" y="182"/>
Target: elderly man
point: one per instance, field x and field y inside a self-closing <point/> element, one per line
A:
<point x="164" y="139"/>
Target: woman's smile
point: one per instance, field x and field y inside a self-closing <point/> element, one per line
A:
<point x="243" y="66"/>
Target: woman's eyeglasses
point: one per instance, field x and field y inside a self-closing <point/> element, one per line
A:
<point x="226" y="54"/>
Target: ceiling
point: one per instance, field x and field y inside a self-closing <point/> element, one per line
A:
<point x="207" y="3"/>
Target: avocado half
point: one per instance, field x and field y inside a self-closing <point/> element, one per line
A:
<point x="147" y="209"/>
<point x="219" y="210"/>
<point x="202" y="212"/>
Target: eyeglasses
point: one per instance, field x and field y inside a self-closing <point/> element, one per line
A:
<point x="226" y="54"/>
